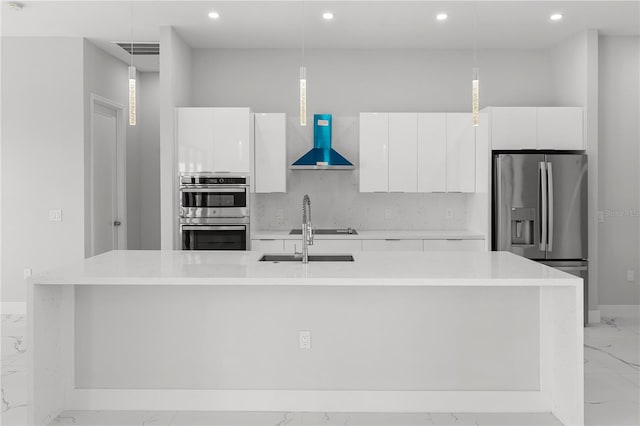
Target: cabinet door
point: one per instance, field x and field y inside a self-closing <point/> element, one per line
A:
<point x="268" y="246"/>
<point x="461" y="153"/>
<point x="432" y="152"/>
<point x="513" y="128"/>
<point x="270" y="153"/>
<point x="454" y="245"/>
<point x="325" y="246"/>
<point x="194" y="134"/>
<point x="231" y="140"/>
<point x="403" y="145"/>
<point x="374" y="152"/>
<point x="560" y="128"/>
<point x="391" y="245"/>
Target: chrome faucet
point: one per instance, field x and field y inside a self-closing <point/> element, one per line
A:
<point x="307" y="228"/>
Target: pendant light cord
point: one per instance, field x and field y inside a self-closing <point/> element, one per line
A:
<point x="303" y="31"/>
<point x="475" y="33"/>
<point x="131" y="53"/>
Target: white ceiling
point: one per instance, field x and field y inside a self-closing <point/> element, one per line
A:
<point x="357" y="23"/>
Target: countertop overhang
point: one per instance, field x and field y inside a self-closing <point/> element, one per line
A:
<point x="167" y="267"/>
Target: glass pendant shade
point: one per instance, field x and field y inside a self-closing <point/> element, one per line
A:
<point x="475" y="97"/>
<point x="132" y="96"/>
<point x="303" y="96"/>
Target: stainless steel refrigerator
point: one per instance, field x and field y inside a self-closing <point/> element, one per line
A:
<point x="540" y="209"/>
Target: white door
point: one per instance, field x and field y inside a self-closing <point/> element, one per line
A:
<point x="231" y="140"/>
<point x="374" y="154"/>
<point x="461" y="153"/>
<point x="403" y="146"/>
<point x="432" y="152"/>
<point x="107" y="181"/>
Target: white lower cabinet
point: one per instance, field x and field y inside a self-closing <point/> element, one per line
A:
<point x="453" y="245"/>
<point x="268" y="245"/>
<point x="392" y="245"/>
<point x="324" y="246"/>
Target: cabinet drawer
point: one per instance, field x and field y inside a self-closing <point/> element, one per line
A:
<point x="268" y="246"/>
<point x="453" y="245"/>
<point x="324" y="246"/>
<point x="392" y="245"/>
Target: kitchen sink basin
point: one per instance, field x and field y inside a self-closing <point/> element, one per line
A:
<point x="312" y="258"/>
<point x="326" y="231"/>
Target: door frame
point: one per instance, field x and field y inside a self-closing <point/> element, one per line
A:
<point x="121" y="169"/>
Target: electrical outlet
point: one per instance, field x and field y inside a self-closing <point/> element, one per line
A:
<point x="26" y="272"/>
<point x="55" y="215"/>
<point x="449" y="213"/>
<point x="631" y="275"/>
<point x="387" y="214"/>
<point x="600" y="216"/>
<point x="305" y="339"/>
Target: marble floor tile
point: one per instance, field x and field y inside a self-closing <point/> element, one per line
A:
<point x="115" y="418"/>
<point x="610" y="400"/>
<point x="198" y="418"/>
<point x="520" y="419"/>
<point x="201" y="418"/>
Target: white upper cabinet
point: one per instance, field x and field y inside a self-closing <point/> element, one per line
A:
<point x="232" y="140"/>
<point x="560" y="128"/>
<point x="432" y="152"/>
<point x="214" y="139"/>
<point x="403" y="145"/>
<point x="461" y="153"/>
<point x="411" y="152"/>
<point x="514" y="128"/>
<point x="556" y="128"/>
<point x="194" y="132"/>
<point x="270" y="152"/>
<point x="374" y="152"/>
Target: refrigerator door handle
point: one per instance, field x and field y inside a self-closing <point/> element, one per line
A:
<point x="550" y="203"/>
<point x="543" y="208"/>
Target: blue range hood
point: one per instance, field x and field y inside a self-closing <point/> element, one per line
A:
<point x="322" y="156"/>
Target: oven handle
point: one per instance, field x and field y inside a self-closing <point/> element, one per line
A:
<point x="213" y="228"/>
<point x="239" y="190"/>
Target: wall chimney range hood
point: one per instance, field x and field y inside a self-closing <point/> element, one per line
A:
<point x="322" y="156"/>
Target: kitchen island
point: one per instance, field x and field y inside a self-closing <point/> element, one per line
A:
<point x="390" y="332"/>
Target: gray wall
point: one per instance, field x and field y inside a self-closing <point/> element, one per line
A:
<point x="345" y="82"/>
<point x="149" y="159"/>
<point x="175" y="91"/>
<point x="619" y="140"/>
<point x="42" y="157"/>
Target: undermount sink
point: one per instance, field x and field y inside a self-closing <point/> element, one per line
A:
<point x="312" y="258"/>
<point x="326" y="231"/>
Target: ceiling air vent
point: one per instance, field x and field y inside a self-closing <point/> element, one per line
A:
<point x="141" y="48"/>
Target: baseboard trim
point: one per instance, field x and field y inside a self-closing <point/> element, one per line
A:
<point x="620" y="310"/>
<point x="310" y="401"/>
<point x="594" y="316"/>
<point x="13" y="308"/>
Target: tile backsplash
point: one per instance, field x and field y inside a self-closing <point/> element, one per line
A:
<point x="336" y="203"/>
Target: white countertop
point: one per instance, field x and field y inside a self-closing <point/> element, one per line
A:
<point x="407" y="234"/>
<point x="140" y="267"/>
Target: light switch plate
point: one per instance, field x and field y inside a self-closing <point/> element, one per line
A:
<point x="55" y="215"/>
<point x="305" y="339"/>
<point x="387" y="214"/>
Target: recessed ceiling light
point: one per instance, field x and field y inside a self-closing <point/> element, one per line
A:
<point x="442" y="16"/>
<point x="327" y="16"/>
<point x="214" y="15"/>
<point x="556" y="17"/>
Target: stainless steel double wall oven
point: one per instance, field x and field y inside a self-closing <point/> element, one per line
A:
<point x="214" y="212"/>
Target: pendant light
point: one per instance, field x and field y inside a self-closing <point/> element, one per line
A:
<point x="303" y="80"/>
<point x="475" y="82"/>
<point x="132" y="80"/>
